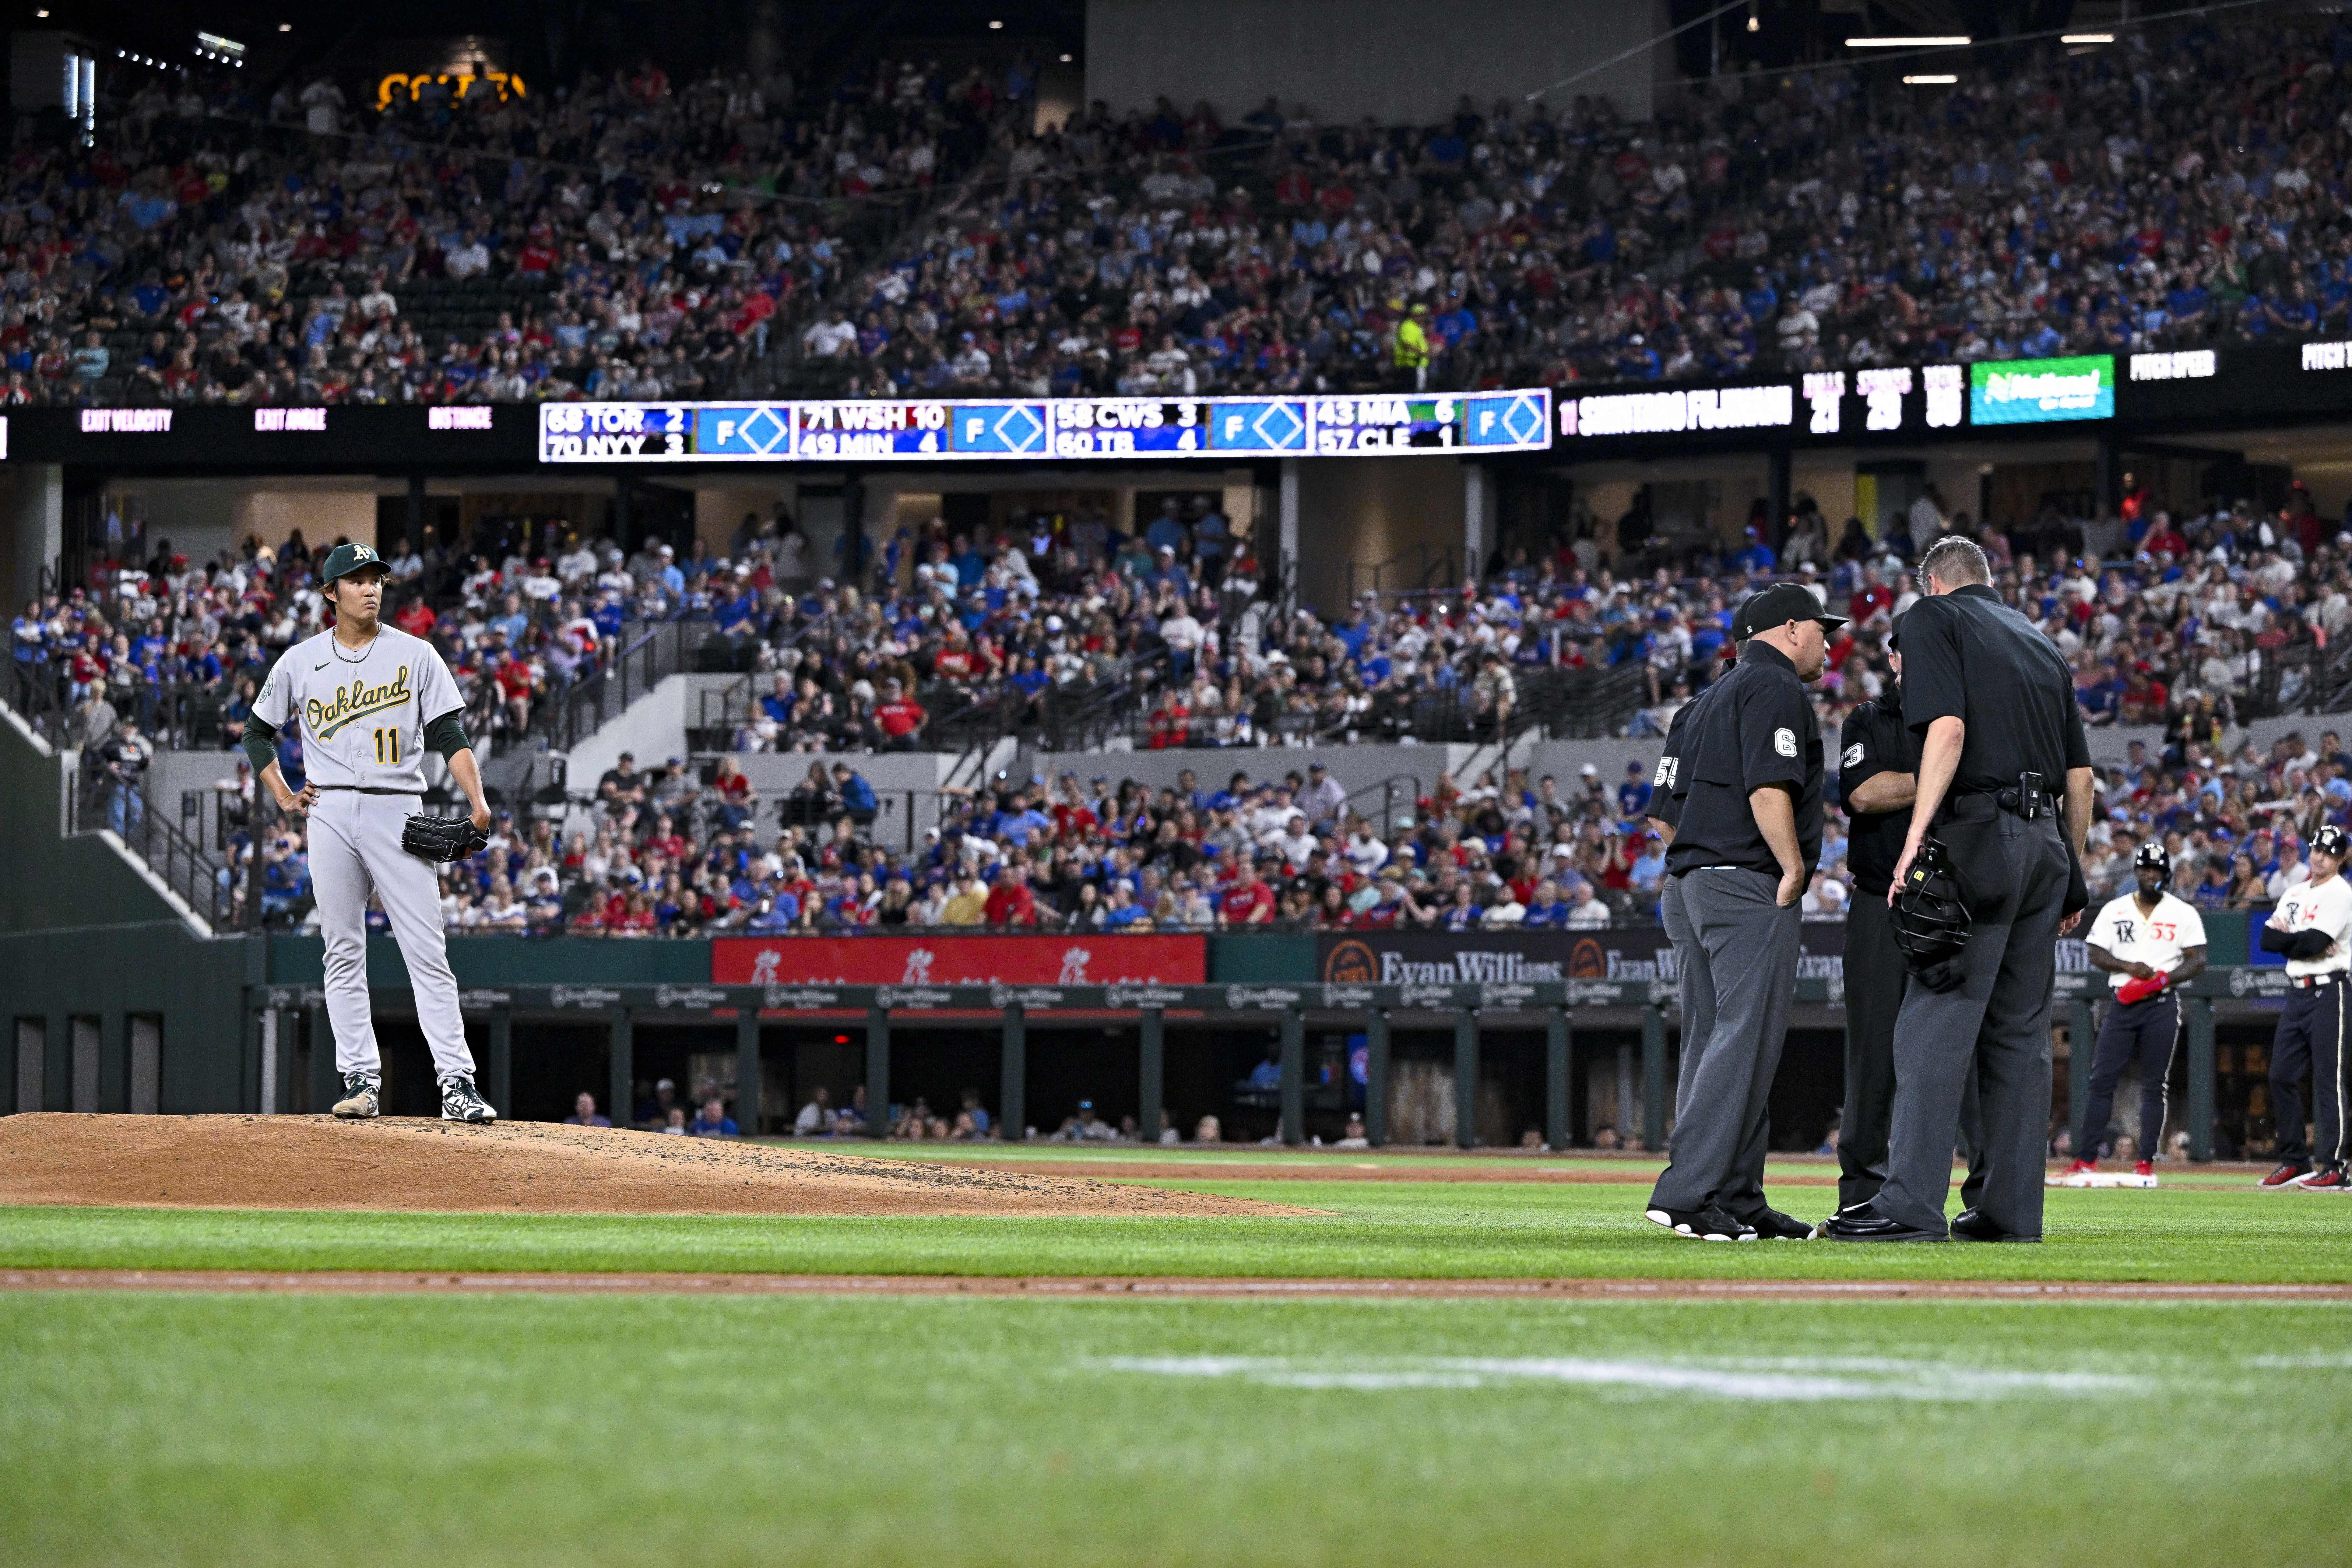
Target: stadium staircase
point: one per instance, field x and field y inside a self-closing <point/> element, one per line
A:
<point x="73" y="863"/>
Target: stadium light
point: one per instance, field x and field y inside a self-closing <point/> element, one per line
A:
<point x="1755" y="24"/>
<point x="1065" y="59"/>
<point x="996" y="26"/>
<point x="2086" y="37"/>
<point x="285" y="27"/>
<point x="1950" y="41"/>
<point x="1929" y="81"/>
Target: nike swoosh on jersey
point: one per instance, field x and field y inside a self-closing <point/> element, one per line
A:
<point x="318" y="667"/>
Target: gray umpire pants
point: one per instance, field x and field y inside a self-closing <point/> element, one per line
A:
<point x="1994" y="1027"/>
<point x="1875" y="984"/>
<point x="1695" y="984"/>
<point x="1747" y="945"/>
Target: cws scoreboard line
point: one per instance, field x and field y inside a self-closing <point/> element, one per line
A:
<point x="1094" y="427"/>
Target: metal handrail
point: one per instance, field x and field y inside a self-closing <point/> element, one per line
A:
<point x="606" y="691"/>
<point x="202" y="882"/>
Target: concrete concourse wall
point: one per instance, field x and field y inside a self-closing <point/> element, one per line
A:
<point x="1391" y="59"/>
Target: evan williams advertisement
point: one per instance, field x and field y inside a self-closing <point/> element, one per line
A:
<point x="1487" y="958"/>
<point x="1088" y="960"/>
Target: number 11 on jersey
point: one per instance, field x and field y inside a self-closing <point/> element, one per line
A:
<point x="387" y="748"/>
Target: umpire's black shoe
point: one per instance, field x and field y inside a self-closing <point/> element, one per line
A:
<point x="1710" y="1223"/>
<point x="1865" y="1223"/>
<point x="1970" y="1224"/>
<point x="1771" y="1224"/>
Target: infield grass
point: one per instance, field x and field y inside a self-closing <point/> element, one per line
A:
<point x="200" y="1429"/>
<point x="1371" y="1230"/>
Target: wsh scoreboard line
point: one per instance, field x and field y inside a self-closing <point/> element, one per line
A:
<point x="1043" y="428"/>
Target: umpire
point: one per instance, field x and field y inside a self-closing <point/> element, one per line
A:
<point x="1697" y="990"/>
<point x="1747" y="837"/>
<point x="1878" y="775"/>
<point x="1993" y="703"/>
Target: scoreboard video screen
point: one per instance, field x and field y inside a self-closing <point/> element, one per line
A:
<point x="1043" y="428"/>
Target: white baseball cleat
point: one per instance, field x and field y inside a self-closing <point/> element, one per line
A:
<point x="460" y="1103"/>
<point x="360" y="1098"/>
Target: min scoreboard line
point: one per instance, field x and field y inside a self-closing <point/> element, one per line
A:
<point x="1044" y="428"/>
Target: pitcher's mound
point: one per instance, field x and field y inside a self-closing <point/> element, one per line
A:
<point x="518" y="1167"/>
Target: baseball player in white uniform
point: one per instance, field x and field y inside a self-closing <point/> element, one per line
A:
<point x="370" y="698"/>
<point x="2313" y="927"/>
<point x="2148" y="943"/>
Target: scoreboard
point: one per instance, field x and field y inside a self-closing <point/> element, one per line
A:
<point x="1044" y="428"/>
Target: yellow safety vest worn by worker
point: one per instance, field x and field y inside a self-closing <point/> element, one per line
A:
<point x="1412" y="344"/>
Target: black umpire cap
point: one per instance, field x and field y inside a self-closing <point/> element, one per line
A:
<point x="1778" y="605"/>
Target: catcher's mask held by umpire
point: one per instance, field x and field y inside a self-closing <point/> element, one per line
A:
<point x="1931" y="925"/>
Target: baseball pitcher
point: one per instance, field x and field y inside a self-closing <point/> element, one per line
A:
<point x="370" y="698"/>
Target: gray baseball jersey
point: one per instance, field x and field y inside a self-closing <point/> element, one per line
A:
<point x="362" y="716"/>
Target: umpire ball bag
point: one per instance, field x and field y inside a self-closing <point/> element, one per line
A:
<point x="1931" y="922"/>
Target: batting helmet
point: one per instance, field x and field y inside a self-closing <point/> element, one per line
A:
<point x="2330" y="840"/>
<point x="1931" y="925"/>
<point x="2153" y="853"/>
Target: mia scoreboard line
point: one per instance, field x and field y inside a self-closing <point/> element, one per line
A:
<point x="1115" y="427"/>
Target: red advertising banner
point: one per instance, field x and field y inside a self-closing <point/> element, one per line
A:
<point x="1079" y="959"/>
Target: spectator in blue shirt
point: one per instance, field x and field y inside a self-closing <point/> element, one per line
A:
<point x="1634" y="794"/>
<point x="714" y="1123"/>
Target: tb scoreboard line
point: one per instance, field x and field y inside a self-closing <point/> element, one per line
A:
<point x="1051" y="429"/>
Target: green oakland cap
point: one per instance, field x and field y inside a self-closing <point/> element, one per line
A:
<point x="346" y="558"/>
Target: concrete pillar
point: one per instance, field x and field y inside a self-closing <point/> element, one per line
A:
<point x="1287" y="538"/>
<point x="878" y="1072"/>
<point x="326" y="1083"/>
<point x="621" y="1052"/>
<point x="1294" y="1077"/>
<point x="1653" y="1077"/>
<point x="500" y="1077"/>
<point x="39" y="527"/>
<point x="1150" y="1073"/>
<point x="747" y="1071"/>
<point x="1466" y="1079"/>
<point x="1478" y="525"/>
<point x="415" y="521"/>
<point x="1776" y="489"/>
<point x="1558" y="1132"/>
<point x="1376" y="1077"/>
<point x="2199" y="1112"/>
<point x="1012" y="1084"/>
<point x="2081" y="1034"/>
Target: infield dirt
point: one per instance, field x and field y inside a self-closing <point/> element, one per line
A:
<point x="402" y="1164"/>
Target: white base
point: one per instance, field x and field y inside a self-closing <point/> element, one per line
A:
<point x="2100" y="1179"/>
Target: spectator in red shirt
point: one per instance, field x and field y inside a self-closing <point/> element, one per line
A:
<point x="416" y="618"/>
<point x="1874" y="597"/>
<point x="900" y="717"/>
<point x="517" y="686"/>
<point x="1010" y="902"/>
<point x="1250" y="902"/>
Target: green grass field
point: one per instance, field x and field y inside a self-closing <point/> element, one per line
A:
<point x="192" y="1427"/>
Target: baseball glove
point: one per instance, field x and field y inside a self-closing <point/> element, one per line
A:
<point x="441" y="839"/>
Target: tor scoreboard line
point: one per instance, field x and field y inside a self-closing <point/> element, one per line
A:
<point x="1087" y="428"/>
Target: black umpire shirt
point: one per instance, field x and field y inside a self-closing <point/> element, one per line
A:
<point x="1967" y="656"/>
<point x="1667" y="785"/>
<point x="1757" y="729"/>
<point x="1875" y="740"/>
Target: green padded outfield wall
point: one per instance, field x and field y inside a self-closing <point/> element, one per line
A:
<point x="495" y="960"/>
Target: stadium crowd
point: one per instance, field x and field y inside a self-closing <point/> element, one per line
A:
<point x="621" y="238"/>
<point x="2186" y="629"/>
<point x="2181" y="188"/>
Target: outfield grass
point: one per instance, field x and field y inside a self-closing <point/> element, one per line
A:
<point x="1372" y="1230"/>
<point x="198" y="1429"/>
